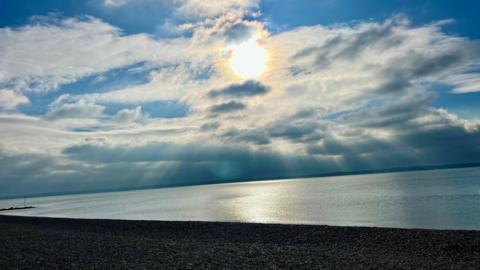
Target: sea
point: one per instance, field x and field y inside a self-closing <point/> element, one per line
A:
<point x="435" y="199"/>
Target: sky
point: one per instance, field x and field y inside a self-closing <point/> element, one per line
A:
<point x="113" y="94"/>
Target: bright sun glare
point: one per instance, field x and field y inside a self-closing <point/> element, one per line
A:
<point x="248" y="59"/>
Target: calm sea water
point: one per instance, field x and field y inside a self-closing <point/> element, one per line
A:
<point x="442" y="199"/>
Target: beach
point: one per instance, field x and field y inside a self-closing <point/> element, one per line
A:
<point x="30" y="242"/>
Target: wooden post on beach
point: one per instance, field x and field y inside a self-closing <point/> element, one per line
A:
<point x="24" y="201"/>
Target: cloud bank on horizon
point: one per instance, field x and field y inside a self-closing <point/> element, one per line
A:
<point x="87" y="104"/>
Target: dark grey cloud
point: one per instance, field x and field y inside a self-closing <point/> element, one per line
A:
<point x="167" y="164"/>
<point x="210" y="126"/>
<point x="45" y="174"/>
<point x="239" y="33"/>
<point x="304" y="113"/>
<point x="360" y="145"/>
<point x="434" y="146"/>
<point x="399" y="77"/>
<point x="393" y="84"/>
<point x="329" y="45"/>
<point x="246" y="89"/>
<point x="258" y="137"/>
<point x="380" y="37"/>
<point x="425" y="66"/>
<point x="162" y="151"/>
<point x="227" y="107"/>
<point x="406" y="71"/>
<point x="445" y="144"/>
<point x="300" y="127"/>
<point x="149" y="152"/>
<point x="389" y="113"/>
<point x="224" y="163"/>
<point x="419" y="135"/>
<point x="22" y="174"/>
<point x="349" y="47"/>
<point x="98" y="165"/>
<point x="304" y="131"/>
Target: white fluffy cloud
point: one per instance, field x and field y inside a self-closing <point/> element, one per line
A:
<point x="10" y="99"/>
<point x="323" y="69"/>
<point x="465" y="83"/>
<point x="193" y="9"/>
<point x="115" y="3"/>
<point x="80" y="109"/>
<point x="130" y="115"/>
<point x="213" y="8"/>
<point x="44" y="55"/>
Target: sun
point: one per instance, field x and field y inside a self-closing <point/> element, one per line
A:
<point x="249" y="58"/>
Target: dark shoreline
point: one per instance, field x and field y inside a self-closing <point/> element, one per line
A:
<point x="29" y="242"/>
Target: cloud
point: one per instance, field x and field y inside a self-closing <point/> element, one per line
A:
<point x="227" y="107"/>
<point x="210" y="126"/>
<point x="444" y="143"/>
<point x="464" y="83"/>
<point x="390" y="113"/>
<point x="199" y="8"/>
<point x="362" y="145"/>
<point x="239" y="32"/>
<point x="296" y="131"/>
<point x="398" y="67"/>
<point x="415" y="67"/>
<point x="67" y="49"/>
<point x="246" y="89"/>
<point x="432" y="146"/>
<point x="194" y="153"/>
<point x="230" y="26"/>
<point x="334" y="98"/>
<point x="115" y="3"/>
<point x="258" y="137"/>
<point x="94" y="167"/>
<point x="192" y="9"/>
<point x="130" y="115"/>
<point x="80" y="109"/>
<point x="348" y="45"/>
<point x="54" y="174"/>
<point x="10" y="99"/>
